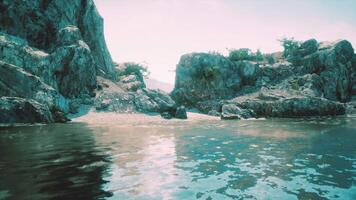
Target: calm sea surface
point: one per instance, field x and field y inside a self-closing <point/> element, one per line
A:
<point x="253" y="159"/>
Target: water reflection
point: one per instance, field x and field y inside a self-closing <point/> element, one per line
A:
<point x="51" y="162"/>
<point x="267" y="159"/>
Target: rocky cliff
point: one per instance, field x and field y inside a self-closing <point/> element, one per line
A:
<point x="40" y="22"/>
<point x="320" y="83"/>
<point x="53" y="59"/>
<point x="50" y="54"/>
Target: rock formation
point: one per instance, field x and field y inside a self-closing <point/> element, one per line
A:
<point x="19" y="110"/>
<point x="127" y="93"/>
<point x="50" y="54"/>
<point x="318" y="84"/>
<point x="53" y="58"/>
<point x="40" y="21"/>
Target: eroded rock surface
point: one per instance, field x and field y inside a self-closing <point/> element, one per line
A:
<point x="19" y="110"/>
<point x="115" y="96"/>
<point x="40" y="21"/>
<point x="51" y="52"/>
<point x="318" y="85"/>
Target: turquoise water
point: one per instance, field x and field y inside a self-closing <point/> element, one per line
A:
<point x="252" y="159"/>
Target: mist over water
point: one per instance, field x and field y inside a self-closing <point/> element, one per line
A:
<point x="212" y="159"/>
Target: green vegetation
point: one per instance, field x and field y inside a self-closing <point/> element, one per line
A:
<point x="134" y="69"/>
<point x="258" y="56"/>
<point x="269" y="58"/>
<point x="207" y="73"/>
<point x="240" y="54"/>
<point x="245" y="54"/>
<point x="291" y="50"/>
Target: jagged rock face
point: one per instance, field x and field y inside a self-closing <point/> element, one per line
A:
<point x="16" y="82"/>
<point x="334" y="65"/>
<point x="202" y="76"/>
<point x="51" y="51"/>
<point x="39" y="21"/>
<point x="18" y="110"/>
<point x="327" y="75"/>
<point x="69" y="69"/>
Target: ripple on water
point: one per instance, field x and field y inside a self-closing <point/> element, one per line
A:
<point x="269" y="159"/>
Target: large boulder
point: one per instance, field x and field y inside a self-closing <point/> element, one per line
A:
<point x="334" y="64"/>
<point x="19" y="110"/>
<point x="147" y="100"/>
<point x="16" y="82"/>
<point x="231" y="111"/>
<point x="39" y="21"/>
<point x="181" y="113"/>
<point x="203" y="76"/>
<point x="249" y="72"/>
<point x="69" y="69"/>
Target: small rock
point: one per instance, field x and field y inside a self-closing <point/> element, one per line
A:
<point x="230" y="111"/>
<point x="166" y="115"/>
<point x="181" y="113"/>
<point x="214" y="113"/>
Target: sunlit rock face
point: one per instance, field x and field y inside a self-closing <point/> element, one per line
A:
<point x="126" y="92"/>
<point x="51" y="51"/>
<point x="39" y="21"/>
<point x="323" y="77"/>
<point x="115" y="96"/>
<point x="203" y="76"/>
<point x="16" y="82"/>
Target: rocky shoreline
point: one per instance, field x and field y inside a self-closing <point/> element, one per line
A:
<point x="54" y="59"/>
<point x="323" y="83"/>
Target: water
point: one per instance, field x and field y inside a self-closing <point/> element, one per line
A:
<point x="261" y="159"/>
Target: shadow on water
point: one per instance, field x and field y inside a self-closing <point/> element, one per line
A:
<point x="51" y="162"/>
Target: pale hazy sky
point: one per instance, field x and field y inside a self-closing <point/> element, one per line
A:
<point x="158" y="32"/>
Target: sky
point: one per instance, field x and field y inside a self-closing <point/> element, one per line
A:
<point x="158" y="32"/>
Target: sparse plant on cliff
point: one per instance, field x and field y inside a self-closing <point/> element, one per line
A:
<point x="258" y="56"/>
<point x="245" y="54"/>
<point x="240" y="54"/>
<point x="207" y="73"/>
<point x="290" y="46"/>
<point x="269" y="59"/>
<point x="134" y="69"/>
